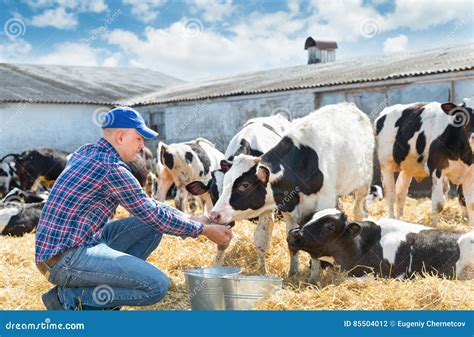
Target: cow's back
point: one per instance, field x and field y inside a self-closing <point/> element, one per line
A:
<point x="343" y="138"/>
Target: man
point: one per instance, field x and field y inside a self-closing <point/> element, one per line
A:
<point x="96" y="264"/>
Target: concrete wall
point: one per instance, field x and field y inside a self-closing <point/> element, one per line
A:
<point x="63" y="126"/>
<point x="218" y="120"/>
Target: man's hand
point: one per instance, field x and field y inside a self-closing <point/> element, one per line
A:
<point x="217" y="233"/>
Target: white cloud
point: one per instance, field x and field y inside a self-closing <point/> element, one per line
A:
<point x="112" y="61"/>
<point x="71" y="54"/>
<point x="95" y="6"/>
<point x="213" y="10"/>
<point x="57" y="18"/>
<point x="16" y="51"/>
<point x="206" y="53"/>
<point x="145" y="10"/>
<point x="423" y="14"/>
<point x="395" y="44"/>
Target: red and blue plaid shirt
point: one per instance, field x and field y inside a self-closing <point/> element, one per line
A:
<point x="86" y="195"/>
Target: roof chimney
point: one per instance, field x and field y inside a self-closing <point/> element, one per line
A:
<point x="320" y="51"/>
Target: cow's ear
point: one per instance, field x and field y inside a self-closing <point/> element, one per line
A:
<point x="225" y="165"/>
<point x="353" y="228"/>
<point x="448" y="107"/>
<point x="197" y="188"/>
<point x="166" y="158"/>
<point x="263" y="173"/>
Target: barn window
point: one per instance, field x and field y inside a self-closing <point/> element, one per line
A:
<point x="157" y="122"/>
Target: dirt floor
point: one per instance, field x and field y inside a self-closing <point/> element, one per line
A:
<point x="21" y="285"/>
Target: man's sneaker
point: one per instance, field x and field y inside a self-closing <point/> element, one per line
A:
<point x="51" y="300"/>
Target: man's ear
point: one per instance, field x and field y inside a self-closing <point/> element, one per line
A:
<point x="225" y="165"/>
<point x="166" y="158"/>
<point x="353" y="228"/>
<point x="263" y="173"/>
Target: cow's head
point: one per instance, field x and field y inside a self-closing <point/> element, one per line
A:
<point x="462" y="117"/>
<point x="214" y="186"/>
<point x="246" y="190"/>
<point x="327" y="231"/>
<point x="188" y="162"/>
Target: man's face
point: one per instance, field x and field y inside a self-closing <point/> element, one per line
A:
<point x="131" y="142"/>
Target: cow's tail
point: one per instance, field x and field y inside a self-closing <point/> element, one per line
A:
<point x="15" y="155"/>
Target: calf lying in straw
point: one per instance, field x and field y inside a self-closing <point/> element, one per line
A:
<point x="386" y="247"/>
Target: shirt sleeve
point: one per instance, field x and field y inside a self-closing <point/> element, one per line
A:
<point x="125" y="188"/>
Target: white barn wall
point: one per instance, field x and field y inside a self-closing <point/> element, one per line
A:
<point x="63" y="126"/>
<point x="219" y="119"/>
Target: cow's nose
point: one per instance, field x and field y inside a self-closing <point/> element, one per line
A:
<point x="215" y="216"/>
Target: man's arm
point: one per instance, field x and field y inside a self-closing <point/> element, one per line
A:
<point x="123" y="186"/>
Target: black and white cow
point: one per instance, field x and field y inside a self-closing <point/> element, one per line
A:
<point x="28" y="197"/>
<point x="257" y="136"/>
<point x="142" y="168"/>
<point x="17" y="219"/>
<point x="39" y="166"/>
<point x="183" y="163"/>
<point x="376" y="193"/>
<point x="386" y="247"/>
<point x="426" y="140"/>
<point x="8" y="177"/>
<point x="326" y="154"/>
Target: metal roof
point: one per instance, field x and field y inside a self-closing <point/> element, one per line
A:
<point x="345" y="71"/>
<point x="77" y="84"/>
<point x="310" y="42"/>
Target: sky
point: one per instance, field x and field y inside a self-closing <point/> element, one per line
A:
<point x="200" y="39"/>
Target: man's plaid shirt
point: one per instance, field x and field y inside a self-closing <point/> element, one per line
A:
<point x="87" y="193"/>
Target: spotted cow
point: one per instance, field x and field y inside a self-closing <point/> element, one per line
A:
<point x="423" y="140"/>
<point x="257" y="136"/>
<point x="385" y="247"/>
<point x="326" y="154"/>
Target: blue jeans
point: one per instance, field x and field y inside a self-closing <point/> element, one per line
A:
<point x="114" y="272"/>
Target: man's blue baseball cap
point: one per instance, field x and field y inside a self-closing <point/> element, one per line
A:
<point x="128" y="118"/>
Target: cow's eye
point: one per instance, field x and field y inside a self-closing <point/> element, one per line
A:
<point x="331" y="226"/>
<point x="244" y="186"/>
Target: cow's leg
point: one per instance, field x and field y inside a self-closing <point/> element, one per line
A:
<point x="388" y="181"/>
<point x="468" y="190"/>
<point x="181" y="199"/>
<point x="360" y="197"/>
<point x="206" y="198"/>
<point x="327" y="200"/>
<point x="402" y="185"/>
<point x="262" y="238"/>
<point x="437" y="196"/>
<point x="294" y="260"/>
<point x="219" y="259"/>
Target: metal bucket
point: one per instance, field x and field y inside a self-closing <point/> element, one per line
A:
<point x="205" y="287"/>
<point x="241" y="292"/>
